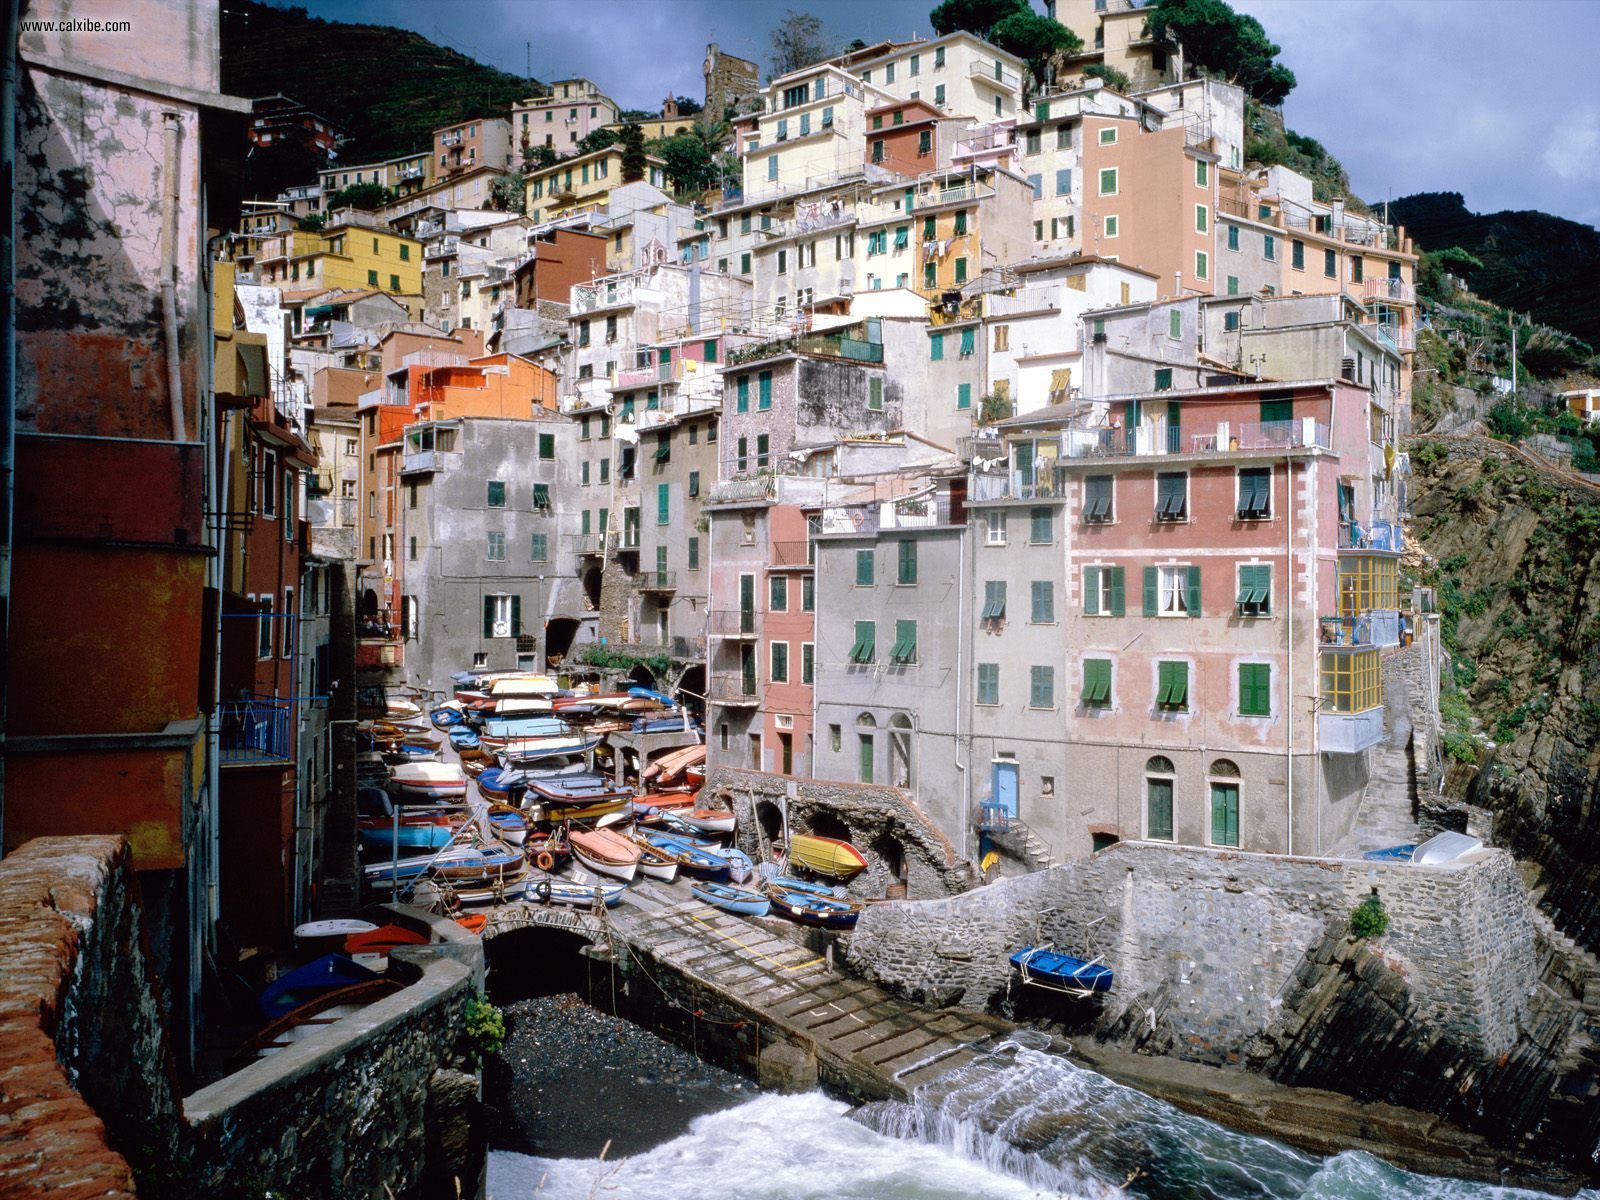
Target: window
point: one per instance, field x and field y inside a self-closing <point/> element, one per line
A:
<point x="547" y="447"/>
<point x="762" y="442"/>
<point x="905" y="643"/>
<point x="963" y="395"/>
<point x="764" y="387"/>
<point x="1202" y="173"/>
<point x="864" y="736"/>
<point x="938" y="91"/>
<point x="1172" y="686"/>
<point x="663" y="504"/>
<point x="1044" y="602"/>
<point x="1042" y="687"/>
<point x="1172" y="496"/>
<point x="924" y="143"/>
<point x="1233" y="290"/>
<point x="994" y="600"/>
<point x="936" y="344"/>
<point x="1255" y="494"/>
<point x="583" y="473"/>
<point x="694" y="554"/>
<point x="744" y="264"/>
<point x="1032" y="142"/>
<point x="742" y="397"/>
<point x="1233" y="237"/>
<point x="1255" y="690"/>
<point x="875" y="395"/>
<point x="1269" y="247"/>
<point x="1108" y="179"/>
<point x="1113" y="227"/>
<point x="930" y="275"/>
<point x="1158" y="773"/>
<point x="772" y="168"/>
<point x="1330" y="264"/>
<point x="994" y="528"/>
<point x="539" y="551"/>
<point x="1297" y="255"/>
<point x="907" y="574"/>
<point x="413" y="549"/>
<point x="394" y="283"/>
<point x="1172" y="591"/>
<point x="778" y="593"/>
<point x="864" y="568"/>
<point x="1096" y="683"/>
<point x="1255" y="589"/>
<point x="863" y="649"/>
<point x="808" y="663"/>
<point x="502" y="615"/>
<point x="497" y="547"/>
<point x="961" y="270"/>
<point x="778" y="664"/>
<point x="372" y="279"/>
<point x="1224" y="803"/>
<point x="1063" y="183"/>
<point x="1174" y="330"/>
<point x="1041" y="526"/>
<point x="605" y="470"/>
<point x="783" y="262"/>
<point x="988" y="683"/>
<point x="1202" y="265"/>
<point x="1098" y="494"/>
<point x="694" y="484"/>
<point x="1104" y="592"/>
<point x="1230" y="320"/>
<point x="1351" y="681"/>
<point x="264" y="628"/>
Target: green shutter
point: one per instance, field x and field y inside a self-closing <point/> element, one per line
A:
<point x="1044" y="602"/>
<point x="663" y="504"/>
<point x="1091" y="591"/>
<point x="908" y="561"/>
<point x="1118" y="603"/>
<point x="764" y="380"/>
<point x="964" y="395"/>
<point x="936" y="346"/>
<point x="516" y="616"/>
<point x="743" y="402"/>
<point x="1194" y="591"/>
<point x="1152" y="591"/>
<point x="488" y="616"/>
<point x="1255" y="690"/>
<point x="864" y="568"/>
<point x="547" y="445"/>
<point x="905" y="642"/>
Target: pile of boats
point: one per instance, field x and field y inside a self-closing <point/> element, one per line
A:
<point x="524" y="814"/>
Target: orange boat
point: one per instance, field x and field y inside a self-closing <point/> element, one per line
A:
<point x="473" y="922"/>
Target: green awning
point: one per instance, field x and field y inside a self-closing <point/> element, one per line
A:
<point x="994" y="610"/>
<point x="663" y="450"/>
<point x="862" y="651"/>
<point x="904" y="650"/>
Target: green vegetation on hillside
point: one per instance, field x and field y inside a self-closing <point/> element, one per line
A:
<point x="1218" y="41"/>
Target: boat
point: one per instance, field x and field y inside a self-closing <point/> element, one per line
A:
<point x="524" y="750"/>
<point x="499" y="784"/>
<point x="508" y="824"/>
<point x="522" y="686"/>
<point x="708" y="819"/>
<point x="408" y="751"/>
<point x="576" y="795"/>
<point x="414" y="831"/>
<point x="575" y="892"/>
<point x="674" y="763"/>
<point x="447" y="716"/>
<point x="696" y="858"/>
<point x="304" y="984"/>
<point x="398" y="709"/>
<point x="467" y="864"/>
<point x="812" y="908"/>
<point x="474" y="923"/>
<point x="695" y="775"/>
<point x="383" y="939"/>
<point x="673" y="802"/>
<point x="656" y="863"/>
<point x="521" y="707"/>
<point x="790" y="884"/>
<point x="731" y="899"/>
<point x="428" y="781"/>
<point x="545" y="850"/>
<point x="672" y="822"/>
<point x="1046" y="968"/>
<point x="463" y="739"/>
<point x="826" y="856"/>
<point x="606" y="852"/>
<point x="314" y="1015"/>
<point x="328" y="936"/>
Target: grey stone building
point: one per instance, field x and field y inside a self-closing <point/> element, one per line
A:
<point x="488" y="546"/>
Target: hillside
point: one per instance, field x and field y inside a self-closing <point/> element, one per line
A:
<point x="1532" y="262"/>
<point x="389" y="87"/>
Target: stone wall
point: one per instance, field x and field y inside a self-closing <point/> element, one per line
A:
<point x="354" y="1110"/>
<point x="85" y="1076"/>
<point x="875" y="818"/>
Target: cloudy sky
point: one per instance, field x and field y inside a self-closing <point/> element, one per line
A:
<point x="1491" y="98"/>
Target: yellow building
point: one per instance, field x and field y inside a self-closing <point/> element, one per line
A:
<point x="404" y="175"/>
<point x="582" y="183"/>
<point x="345" y="257"/>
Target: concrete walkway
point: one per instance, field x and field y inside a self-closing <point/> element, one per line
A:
<point x="1386" y="816"/>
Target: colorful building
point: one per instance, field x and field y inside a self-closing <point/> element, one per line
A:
<point x="570" y="111"/>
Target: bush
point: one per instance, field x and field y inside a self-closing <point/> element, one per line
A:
<point x="1370" y="919"/>
<point x="483" y="1028"/>
<point x="1509" y="420"/>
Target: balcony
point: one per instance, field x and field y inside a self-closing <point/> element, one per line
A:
<point x="963" y="193"/>
<point x="1376" y="628"/>
<point x="591" y="545"/>
<point x="453" y="138"/>
<point x="791" y="556"/>
<point x="628" y="540"/>
<point x="1382" y="536"/>
<point x="734" y="692"/>
<point x="1349" y="733"/>
<point x="657" y="581"/>
<point x="255" y="731"/>
<point x="734" y="623"/>
<point x="1396" y="290"/>
<point x="411" y="174"/>
<point x="994" y="73"/>
<point x="443" y="248"/>
<point x="418" y="462"/>
<point x="1048" y="484"/>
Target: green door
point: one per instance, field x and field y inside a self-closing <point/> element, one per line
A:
<point x="1224" y="814"/>
<point x="747" y="669"/>
<point x="747" y="604"/>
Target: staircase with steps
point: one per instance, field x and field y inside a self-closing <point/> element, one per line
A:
<point x="1387" y="816"/>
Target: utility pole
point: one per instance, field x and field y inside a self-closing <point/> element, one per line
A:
<point x="1513" y="355"/>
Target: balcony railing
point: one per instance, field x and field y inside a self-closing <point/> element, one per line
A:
<point x="1302" y="434"/>
<point x="736" y="691"/>
<point x="1390" y="289"/>
<point x="964" y="193"/>
<point x="1044" y="484"/>
<point x="1375" y="535"/>
<point x="657" y="581"/>
<point x="1349" y="733"/>
<point x="254" y="730"/>
<point x="732" y="623"/>
<point x="591" y="544"/>
<point x="994" y="73"/>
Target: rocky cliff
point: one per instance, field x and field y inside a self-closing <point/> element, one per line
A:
<point x="1515" y="558"/>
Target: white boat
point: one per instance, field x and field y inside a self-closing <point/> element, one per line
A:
<point x="605" y="852"/>
<point x="428" y="780"/>
<point x="578" y="892"/>
<point x="523" y="686"/>
<point x="707" y="820"/>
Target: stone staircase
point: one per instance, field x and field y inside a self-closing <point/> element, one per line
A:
<point x="1568" y="962"/>
<point x="1387" y="816"/>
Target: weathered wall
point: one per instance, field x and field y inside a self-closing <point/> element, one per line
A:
<point x="84" y="1069"/>
<point x="873" y="816"/>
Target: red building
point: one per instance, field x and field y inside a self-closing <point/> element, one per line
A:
<point x="279" y="120"/>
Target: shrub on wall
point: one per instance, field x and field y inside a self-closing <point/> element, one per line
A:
<point x="483" y="1028"/>
<point x="1370" y="919"/>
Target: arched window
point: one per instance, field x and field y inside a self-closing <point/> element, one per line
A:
<point x="900" y="773"/>
<point x="1224" y="788"/>
<point x="1158" y="783"/>
<point x="866" y="739"/>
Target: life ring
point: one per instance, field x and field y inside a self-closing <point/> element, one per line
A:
<point x="544" y="860"/>
<point x="542" y="891"/>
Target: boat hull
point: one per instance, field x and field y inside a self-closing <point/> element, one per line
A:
<point x="827" y="856"/>
<point x="731" y="899"/>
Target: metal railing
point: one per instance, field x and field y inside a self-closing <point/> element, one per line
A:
<point x="1389" y="289"/>
<point x="994" y="72"/>
<point x="1376" y="535"/>
<point x="737" y="690"/>
<point x="1264" y="435"/>
<point x="254" y="730"/>
<point x="1344" y="631"/>
<point x="657" y="581"/>
<point x="732" y="622"/>
<point x="960" y="194"/>
<point x="1046" y="484"/>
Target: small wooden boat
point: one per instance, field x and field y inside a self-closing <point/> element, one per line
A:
<point x="826" y="856"/>
<point x="508" y="824"/>
<point x="673" y="802"/>
<point x="447" y="716"/>
<point x="812" y="908"/>
<point x="500" y="890"/>
<point x="398" y="709"/>
<point x="707" y="819"/>
<point x="674" y="763"/>
<point x="500" y="784"/>
<point x="315" y="1015"/>
<point x="606" y="852"/>
<point x="472" y="922"/>
<point x="695" y="776"/>
<point x="428" y="781"/>
<point x="656" y="863"/>
<point x="463" y="739"/>
<point x="576" y="795"/>
<point x="522" y="686"/>
<point x="574" y="892"/>
<point x="731" y="899"/>
<point x="415" y="831"/>
<point x="467" y="864"/>
<point x="524" y="750"/>
<point x="1046" y="968"/>
<point x="697" y="858"/>
<point x="383" y="939"/>
<point x="328" y="936"/>
<point x="304" y="984"/>
<point x="521" y="707"/>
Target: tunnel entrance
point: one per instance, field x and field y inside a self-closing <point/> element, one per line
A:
<point x="535" y="961"/>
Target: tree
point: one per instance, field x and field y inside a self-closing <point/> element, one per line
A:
<point x="509" y="193"/>
<point x="1220" y="41"/>
<point x="633" y="157"/>
<point x="598" y="139"/>
<point x="976" y="16"/>
<point x="311" y="223"/>
<point x="360" y="195"/>
<point x="692" y="157"/>
<point x="688" y="105"/>
<point x="1035" y="39"/>
<point x="534" y="157"/>
<point x="1113" y="78"/>
<point x="797" y="41"/>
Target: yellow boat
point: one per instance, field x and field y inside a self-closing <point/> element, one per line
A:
<point x="826" y="856"/>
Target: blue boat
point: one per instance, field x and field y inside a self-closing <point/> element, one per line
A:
<point x="548" y="890"/>
<point x="788" y="883"/>
<point x="378" y="835"/>
<point x="316" y="978"/>
<point x="732" y="899"/>
<point x="644" y="693"/>
<point x="446" y="718"/>
<point x="500" y="783"/>
<point x="812" y="908"/>
<point x="464" y="739"/>
<point x="505" y="728"/>
<point x="1400" y="854"/>
<point x="693" y="857"/>
<point x="1047" y="968"/>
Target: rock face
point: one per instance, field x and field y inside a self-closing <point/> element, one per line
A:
<point x="1517" y="554"/>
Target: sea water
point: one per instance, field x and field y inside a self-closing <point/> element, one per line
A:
<point x="1039" y="1127"/>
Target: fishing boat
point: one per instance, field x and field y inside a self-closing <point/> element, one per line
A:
<point x="428" y="781"/>
<point x="463" y="739"/>
<point x="314" y="1015"/>
<point x="695" y="775"/>
<point x="414" y="831"/>
<point x="574" y="892"/>
<point x="447" y="716"/>
<point x="472" y="922"/>
<point x="1044" y="967"/>
<point x="656" y="863"/>
<point x="731" y="899"/>
<point x="812" y="908"/>
<point x="303" y="984"/>
<point x="508" y="824"/>
<point x="707" y="818"/>
<point x="671" y="765"/>
<point x="522" y="686"/>
<point x="826" y="856"/>
<point x="398" y="709"/>
<point x="526" y="750"/>
<point x="467" y="864"/>
<point x="576" y="795"/>
<point x="606" y="852"/>
<point x="521" y="706"/>
<point x="500" y="731"/>
<point x="700" y="859"/>
<point x="546" y="850"/>
<point x="790" y="884"/>
<point x="383" y="939"/>
<point x="410" y="751"/>
<point x="673" y="802"/>
<point x="500" y="784"/>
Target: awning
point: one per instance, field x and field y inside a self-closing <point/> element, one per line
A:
<point x="905" y="649"/>
<point x="253" y="368"/>
<point x="663" y="450"/>
<point x="865" y="646"/>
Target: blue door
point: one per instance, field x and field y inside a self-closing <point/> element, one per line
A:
<point x="1003" y="785"/>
